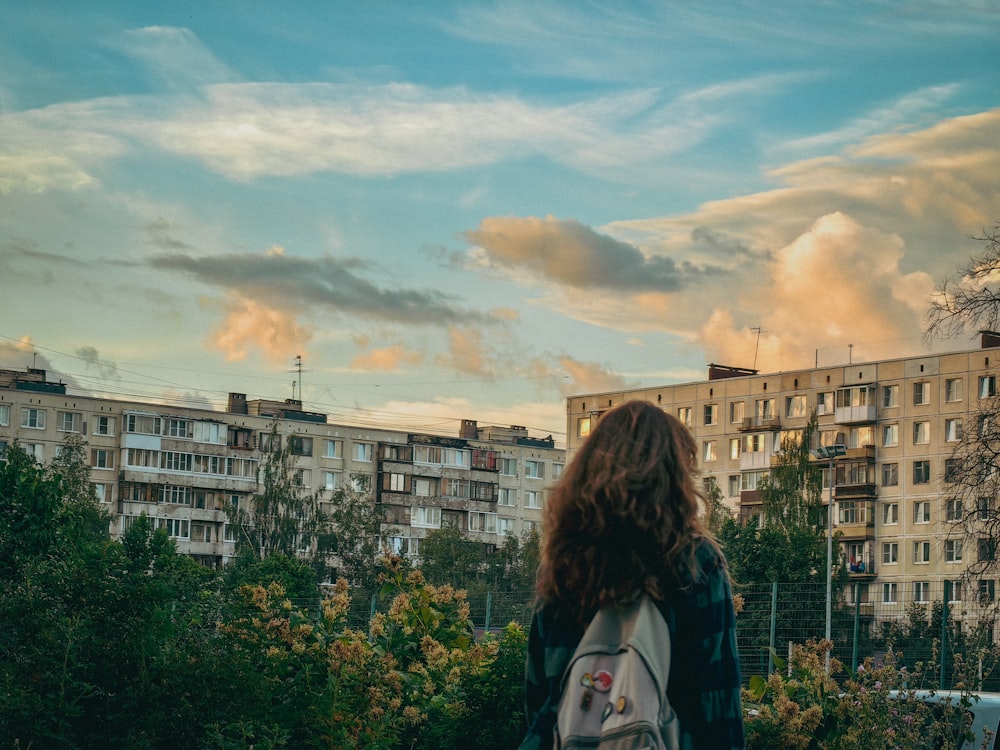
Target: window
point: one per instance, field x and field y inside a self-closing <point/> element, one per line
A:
<point x="734" y="485"/>
<point x="102" y="459"/>
<point x="983" y="507"/>
<point x="303" y="446"/>
<point x="174" y="495"/>
<point x="956" y="591"/>
<point x="921" y="394"/>
<point x="557" y="470"/>
<point x="711" y="414"/>
<point x="921" y="591"/>
<point x="269" y="442"/>
<point x="532" y="499"/>
<point x="987" y="386"/>
<point x="953" y="389"/>
<point x="952" y="469"/>
<point x="331" y="480"/>
<point x="952" y="430"/>
<point x="507" y="497"/>
<point x="987" y="590"/>
<point x="69" y="421"/>
<point x="33" y="418"/>
<point x="859" y="437"/>
<point x="174" y="461"/>
<point x="922" y="511"/>
<point x="485" y="522"/>
<point x="201" y="532"/>
<point x="764" y="409"/>
<point x="178" y="528"/>
<point x="583" y="426"/>
<point x="302" y="478"/>
<point x="987" y="549"/>
<point x="424" y="516"/>
<point x="921" y="433"/>
<point x="4" y="415"/>
<point x="333" y="449"/>
<point x="890" y="553"/>
<point x="397" y="482"/>
<point x="734" y="448"/>
<point x="708" y="450"/>
<point x="953" y="509"/>
<point x="178" y="428"/>
<point x="824" y="403"/>
<point x="103" y="492"/>
<point x="684" y="415"/>
<point x="104" y="425"/>
<point x="143" y="424"/>
<point x="505" y="526"/>
<point x="534" y="469"/>
<point x="848" y="512"/>
<point x="508" y="467"/>
<point x="362" y="451"/>
<point x="890" y="396"/>
<point x="890" y="514"/>
<point x="953" y="550"/>
<point x="888" y="593"/>
<point x="422" y="487"/>
<point x="795" y="406"/>
<point x="361" y="482"/>
<point x="752" y="478"/>
<point x="890" y="435"/>
<point x="736" y="412"/>
<point x="890" y="475"/>
<point x="921" y="552"/>
<point x="921" y="472"/>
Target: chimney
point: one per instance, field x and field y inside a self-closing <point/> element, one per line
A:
<point x="469" y="429"/>
<point x="237" y="403"/>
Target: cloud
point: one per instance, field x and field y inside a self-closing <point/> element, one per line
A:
<point x="468" y="352"/>
<point x="251" y="325"/>
<point x="285" y="282"/>
<point x="105" y="368"/>
<point x="175" y="56"/>
<point x="816" y="295"/>
<point x="567" y="252"/>
<point x="386" y="358"/>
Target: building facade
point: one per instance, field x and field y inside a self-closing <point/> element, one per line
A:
<point x="899" y="420"/>
<point x="185" y="468"/>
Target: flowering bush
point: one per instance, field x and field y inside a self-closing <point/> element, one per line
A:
<point x="808" y="709"/>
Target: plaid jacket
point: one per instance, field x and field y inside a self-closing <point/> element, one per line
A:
<point x="704" y="687"/>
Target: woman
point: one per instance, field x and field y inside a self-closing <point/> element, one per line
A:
<point x="623" y="520"/>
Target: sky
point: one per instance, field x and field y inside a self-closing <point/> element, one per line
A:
<point x="473" y="210"/>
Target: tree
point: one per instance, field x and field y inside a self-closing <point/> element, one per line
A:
<point x="282" y="517"/>
<point x="353" y="535"/>
<point x="971" y="297"/>
<point x="447" y="556"/>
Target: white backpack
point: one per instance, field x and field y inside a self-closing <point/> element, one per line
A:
<point x="614" y="689"/>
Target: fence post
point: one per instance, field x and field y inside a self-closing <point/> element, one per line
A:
<point x="857" y="625"/>
<point x="371" y="614"/>
<point x="944" y="633"/>
<point x="774" y="621"/>
<point x="489" y="608"/>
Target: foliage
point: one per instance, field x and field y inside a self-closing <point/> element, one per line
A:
<point x="716" y="512"/>
<point x="808" y="709"/>
<point x="353" y="535"/>
<point x="282" y="518"/>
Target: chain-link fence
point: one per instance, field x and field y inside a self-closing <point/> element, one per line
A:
<point x="950" y="634"/>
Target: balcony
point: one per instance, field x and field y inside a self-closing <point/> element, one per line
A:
<point x="856" y="520"/>
<point x="864" y="491"/>
<point x="759" y="424"/>
<point x="855" y="414"/>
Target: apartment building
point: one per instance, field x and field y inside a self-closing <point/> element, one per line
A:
<point x="185" y="467"/>
<point x="899" y="421"/>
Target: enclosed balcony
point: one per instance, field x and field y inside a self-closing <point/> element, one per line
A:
<point x="855" y="405"/>
<point x="856" y="519"/>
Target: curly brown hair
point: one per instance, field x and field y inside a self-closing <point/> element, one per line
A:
<point x="623" y="518"/>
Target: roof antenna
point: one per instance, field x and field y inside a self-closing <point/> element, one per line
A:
<point x="756" y="346"/>
<point x="850" y="354"/>
<point x="298" y="381"/>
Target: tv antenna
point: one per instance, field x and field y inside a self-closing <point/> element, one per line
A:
<point x="298" y="381"/>
<point x="758" y="331"/>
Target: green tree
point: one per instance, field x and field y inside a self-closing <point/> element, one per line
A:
<point x="282" y="517"/>
<point x="447" y="556"/>
<point x="353" y="536"/>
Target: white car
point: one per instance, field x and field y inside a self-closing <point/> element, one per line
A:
<point x="985" y="710"/>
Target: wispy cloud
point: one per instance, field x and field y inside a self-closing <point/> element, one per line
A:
<point x="286" y="282"/>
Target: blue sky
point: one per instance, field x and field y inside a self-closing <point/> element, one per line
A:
<point x="476" y="209"/>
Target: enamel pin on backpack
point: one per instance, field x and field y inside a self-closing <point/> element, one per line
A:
<point x="614" y="694"/>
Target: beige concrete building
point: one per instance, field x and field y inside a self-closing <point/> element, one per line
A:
<point x="184" y="467"/>
<point x="900" y="421"/>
